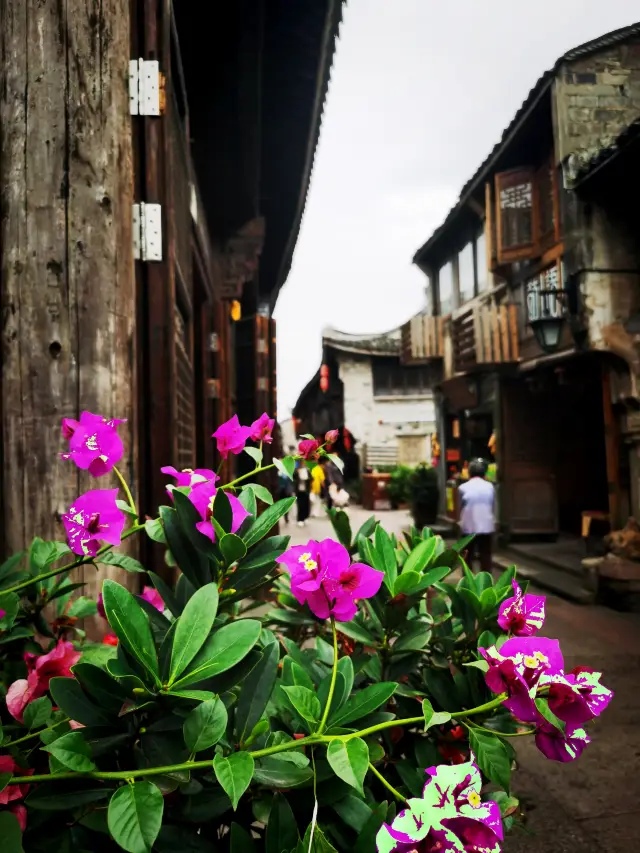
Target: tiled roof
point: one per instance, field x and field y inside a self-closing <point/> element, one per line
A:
<point x="543" y="83"/>
<point x="594" y="163"/>
<point x="382" y="343"/>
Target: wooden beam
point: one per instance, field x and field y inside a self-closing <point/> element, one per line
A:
<point x="513" y="327"/>
<point x="504" y="333"/>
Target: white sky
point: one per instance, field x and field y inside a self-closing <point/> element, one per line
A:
<point x="420" y="92"/>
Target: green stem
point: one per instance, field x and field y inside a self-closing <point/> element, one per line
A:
<point x="34" y="734"/>
<point x="311" y="740"/>
<point x="386" y="784"/>
<point x="126" y="489"/>
<point x="81" y="561"/>
<point x="246" y="476"/>
<point x="332" y="685"/>
<point x="499" y="734"/>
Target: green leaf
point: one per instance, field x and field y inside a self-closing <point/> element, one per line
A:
<point x="286" y="466"/>
<point x="131" y="625"/>
<point x="234" y="774"/>
<point x="225" y="648"/>
<point x="260" y="492"/>
<point x="316" y="843"/>
<point x="59" y="796"/>
<point x="10" y="605"/>
<point x="166" y="594"/>
<point x="42" y="555"/>
<point x="278" y="773"/>
<point x="363" y="703"/>
<point x="406" y="583"/>
<point x="10" y="833"/>
<point x="420" y="557"/>
<point x="83" y="607"/>
<point x="135" y="816"/>
<point x="37" y="713"/>
<point x="240" y="840"/>
<point x="340" y="694"/>
<point x="282" y="829"/>
<point x="431" y="718"/>
<point x="543" y="708"/>
<point x="305" y="702"/>
<point x="192" y="562"/>
<point x="255" y="453"/>
<point x="122" y="561"/>
<point x="367" y="837"/>
<point x="433" y="576"/>
<point x="155" y="530"/>
<point x="194" y="626"/>
<point x="10" y="565"/>
<point x="73" y="751"/>
<point x="106" y="691"/>
<point x="263" y="554"/>
<point x="492" y="756"/>
<point x="342" y="526"/>
<point x="70" y="698"/>
<point x="205" y="725"/>
<point x="233" y="548"/>
<point x="488" y="601"/>
<point x="416" y="637"/>
<point x="358" y="632"/>
<point x="263" y="524"/>
<point x="482" y="665"/>
<point x="367" y="529"/>
<point x="349" y="759"/>
<point x="256" y="691"/>
<point x="384" y="547"/>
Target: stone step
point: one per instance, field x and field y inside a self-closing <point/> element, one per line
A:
<point x="545" y="576"/>
<point x="553" y="558"/>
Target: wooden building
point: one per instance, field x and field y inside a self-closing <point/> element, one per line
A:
<point x="155" y="161"/>
<point x="534" y="300"/>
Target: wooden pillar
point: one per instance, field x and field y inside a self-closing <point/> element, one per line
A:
<point x="66" y="264"/>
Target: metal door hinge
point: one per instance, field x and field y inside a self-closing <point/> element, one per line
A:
<point x="147" y="232"/>
<point x="146" y="88"/>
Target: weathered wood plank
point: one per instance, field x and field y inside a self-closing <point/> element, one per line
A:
<point x="67" y="267"/>
<point x="504" y="333"/>
<point x="513" y="327"/>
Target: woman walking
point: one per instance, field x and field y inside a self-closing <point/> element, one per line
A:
<point x="302" y="486"/>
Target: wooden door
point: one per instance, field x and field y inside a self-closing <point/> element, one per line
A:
<point x="529" y="499"/>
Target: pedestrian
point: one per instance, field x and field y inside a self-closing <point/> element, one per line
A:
<point x="317" y="489"/>
<point x="477" y="500"/>
<point x="302" y="486"/>
<point x="285" y="490"/>
<point x="334" y="481"/>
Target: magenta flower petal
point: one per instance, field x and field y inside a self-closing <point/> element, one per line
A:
<point x="545" y="650"/>
<point x="231" y="437"/>
<point x="207" y="529"/>
<point x="522" y="615"/>
<point x="567" y="703"/>
<point x="261" y="429"/>
<point x="94" y="444"/>
<point x="202" y="497"/>
<point x="239" y="513"/>
<point x="18" y="697"/>
<point x="189" y="476"/>
<point x="308" y="448"/>
<point x="559" y="746"/>
<point x="93" y="518"/>
<point x="153" y="597"/>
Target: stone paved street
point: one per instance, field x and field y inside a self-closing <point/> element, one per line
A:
<point x="588" y="806"/>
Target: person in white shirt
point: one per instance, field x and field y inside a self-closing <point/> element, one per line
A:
<point x="477" y="500"/>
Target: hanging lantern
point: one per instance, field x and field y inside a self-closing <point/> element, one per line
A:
<point x="324" y="378"/>
<point x="235" y="311"/>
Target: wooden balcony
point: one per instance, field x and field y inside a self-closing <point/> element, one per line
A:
<point x="422" y="339"/>
<point x="484" y="336"/>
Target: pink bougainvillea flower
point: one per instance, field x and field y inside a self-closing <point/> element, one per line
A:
<point x="94" y="443"/>
<point x="517" y="669"/>
<point x="94" y="518"/>
<point x="561" y="746"/>
<point x="578" y="697"/>
<point x="2" y="613"/>
<point x="522" y="615"/>
<point x="261" y="430"/>
<point x="42" y="668"/>
<point x="231" y="437"/>
<point x="450" y="816"/>
<point x="323" y="577"/>
<point x="100" y="606"/>
<point x="110" y="640"/>
<point x="331" y="436"/>
<point x="202" y="497"/>
<point x="188" y="477"/>
<point x="308" y="448"/>
<point x="153" y="597"/>
<point x="13" y="792"/>
<point x="20" y="812"/>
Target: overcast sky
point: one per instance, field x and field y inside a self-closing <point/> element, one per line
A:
<point x="420" y="92"/>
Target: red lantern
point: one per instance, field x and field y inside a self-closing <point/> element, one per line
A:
<point x="324" y="378"/>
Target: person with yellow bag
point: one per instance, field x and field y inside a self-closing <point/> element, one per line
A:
<point x="317" y="488"/>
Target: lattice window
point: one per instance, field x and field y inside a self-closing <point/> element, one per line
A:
<point x="549" y="305"/>
<point x="516" y="213"/>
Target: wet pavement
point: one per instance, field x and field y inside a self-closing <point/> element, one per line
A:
<point x="590" y="805"/>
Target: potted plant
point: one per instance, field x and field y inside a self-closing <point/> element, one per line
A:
<point x="422" y="492"/>
<point x="397" y="487"/>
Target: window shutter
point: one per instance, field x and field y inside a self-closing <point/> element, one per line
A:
<point x="516" y="214"/>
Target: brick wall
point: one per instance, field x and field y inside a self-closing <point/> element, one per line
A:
<point x="595" y="99"/>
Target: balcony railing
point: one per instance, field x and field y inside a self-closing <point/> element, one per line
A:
<point x="485" y="335"/>
<point x="422" y="339"/>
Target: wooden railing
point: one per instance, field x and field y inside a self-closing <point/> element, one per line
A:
<point x="422" y="339"/>
<point x="485" y="335"/>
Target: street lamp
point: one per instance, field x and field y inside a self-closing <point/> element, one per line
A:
<point x="547" y="316"/>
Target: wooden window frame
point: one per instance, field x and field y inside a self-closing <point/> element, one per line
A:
<point x="530" y="249"/>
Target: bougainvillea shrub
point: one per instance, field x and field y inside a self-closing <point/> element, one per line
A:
<point x="372" y="705"/>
